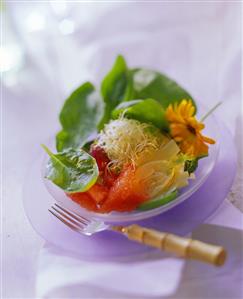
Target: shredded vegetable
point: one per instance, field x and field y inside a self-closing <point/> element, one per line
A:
<point x="124" y="140"/>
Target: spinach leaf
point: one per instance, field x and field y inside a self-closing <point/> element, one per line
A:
<point x="152" y="84"/>
<point x="79" y="117"/>
<point x="72" y="170"/>
<point x="148" y="111"/>
<point x="115" y="88"/>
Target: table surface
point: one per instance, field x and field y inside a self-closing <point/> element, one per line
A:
<point x="33" y="96"/>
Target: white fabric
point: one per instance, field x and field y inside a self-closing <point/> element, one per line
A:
<point x="192" y="47"/>
<point x="61" y="276"/>
<point x="64" y="276"/>
<point x="198" y="44"/>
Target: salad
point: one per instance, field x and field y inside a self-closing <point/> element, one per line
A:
<point x="130" y="145"/>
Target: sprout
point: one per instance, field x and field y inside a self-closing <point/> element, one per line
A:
<point x="124" y="140"/>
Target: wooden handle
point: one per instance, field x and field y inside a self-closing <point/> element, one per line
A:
<point x="184" y="247"/>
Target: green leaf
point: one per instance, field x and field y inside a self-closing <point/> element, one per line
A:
<point x="191" y="165"/>
<point x="152" y="84"/>
<point x="116" y="87"/>
<point x="158" y="201"/>
<point x="148" y="111"/>
<point x="72" y="170"/>
<point x="79" y="117"/>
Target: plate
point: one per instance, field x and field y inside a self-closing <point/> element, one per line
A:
<point x="180" y="220"/>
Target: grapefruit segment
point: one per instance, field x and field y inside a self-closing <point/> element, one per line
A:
<point x="98" y="193"/>
<point x="84" y="200"/>
<point x="126" y="194"/>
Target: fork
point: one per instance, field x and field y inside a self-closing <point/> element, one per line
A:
<point x="180" y="246"/>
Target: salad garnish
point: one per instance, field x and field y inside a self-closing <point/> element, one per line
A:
<point x="130" y="145"/>
<point x="125" y="140"/>
<point x="185" y="129"/>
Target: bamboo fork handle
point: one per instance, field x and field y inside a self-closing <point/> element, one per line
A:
<point x="184" y="247"/>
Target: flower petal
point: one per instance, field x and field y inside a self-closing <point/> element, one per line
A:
<point x="186" y="129"/>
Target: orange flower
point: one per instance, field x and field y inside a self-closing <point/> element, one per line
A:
<point x="186" y="129"/>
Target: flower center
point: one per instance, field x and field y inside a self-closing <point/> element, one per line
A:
<point x="191" y="129"/>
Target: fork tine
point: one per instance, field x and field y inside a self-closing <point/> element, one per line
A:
<point x="70" y="225"/>
<point x="69" y="218"/>
<point x="74" y="215"/>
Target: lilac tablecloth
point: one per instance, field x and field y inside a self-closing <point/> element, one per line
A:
<point x="198" y="44"/>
